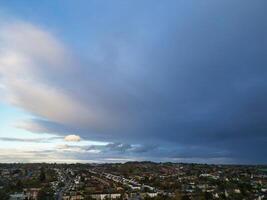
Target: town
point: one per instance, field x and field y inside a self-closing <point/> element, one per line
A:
<point x="132" y="180"/>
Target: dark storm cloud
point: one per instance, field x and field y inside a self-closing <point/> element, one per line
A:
<point x="110" y="149"/>
<point x="180" y="74"/>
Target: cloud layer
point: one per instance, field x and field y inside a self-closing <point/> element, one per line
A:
<point x="184" y="81"/>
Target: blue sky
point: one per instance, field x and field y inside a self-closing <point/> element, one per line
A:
<point x="112" y="81"/>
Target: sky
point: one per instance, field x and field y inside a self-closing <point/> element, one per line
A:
<point x="116" y="81"/>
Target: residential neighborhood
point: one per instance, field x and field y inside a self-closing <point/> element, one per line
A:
<point x="132" y="181"/>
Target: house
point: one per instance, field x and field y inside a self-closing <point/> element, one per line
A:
<point x="104" y="196"/>
<point x="17" y="196"/>
<point x="31" y="193"/>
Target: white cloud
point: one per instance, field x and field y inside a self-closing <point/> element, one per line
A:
<point x="30" y="42"/>
<point x="35" y="72"/>
<point x="72" y="138"/>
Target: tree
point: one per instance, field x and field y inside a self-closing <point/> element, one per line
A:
<point x="42" y="176"/>
<point x="88" y="198"/>
<point x="3" y="195"/>
<point x="208" y="196"/>
<point x="185" y="197"/>
<point x="19" y="185"/>
<point x="45" y="193"/>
